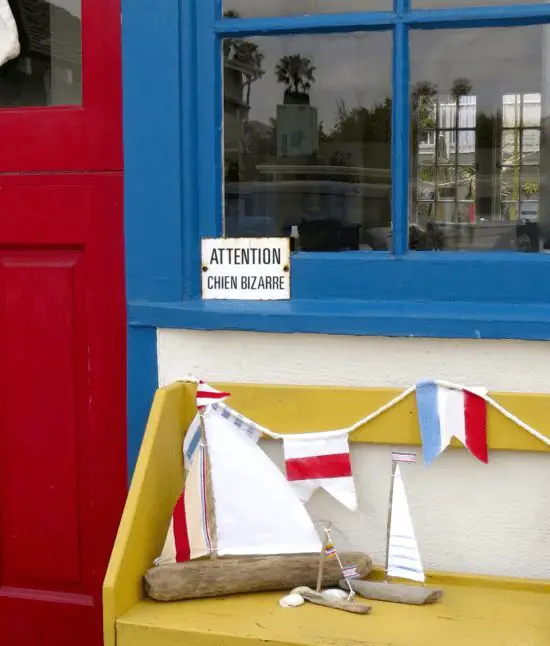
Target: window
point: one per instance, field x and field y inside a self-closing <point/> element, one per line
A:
<point x="305" y="152"/>
<point x="48" y="70"/>
<point x="476" y="187"/>
<point x="403" y="148"/>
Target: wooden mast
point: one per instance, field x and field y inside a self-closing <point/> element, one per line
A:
<point x="209" y="492"/>
<point x="388" y="526"/>
<point x="321" y="567"/>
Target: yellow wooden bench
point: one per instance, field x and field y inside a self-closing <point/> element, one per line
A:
<point x="474" y="610"/>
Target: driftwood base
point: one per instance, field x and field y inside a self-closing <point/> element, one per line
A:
<point x="414" y="595"/>
<point x="330" y="602"/>
<point x="235" y="575"/>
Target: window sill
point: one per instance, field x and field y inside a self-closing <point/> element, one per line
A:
<point x="337" y="316"/>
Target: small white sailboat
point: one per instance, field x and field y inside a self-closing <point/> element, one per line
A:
<point x="239" y="525"/>
<point x="402" y="555"/>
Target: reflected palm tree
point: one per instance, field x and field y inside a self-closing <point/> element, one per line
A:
<point x="243" y="57"/>
<point x="295" y="72"/>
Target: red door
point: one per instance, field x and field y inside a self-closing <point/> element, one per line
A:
<point x="62" y="321"/>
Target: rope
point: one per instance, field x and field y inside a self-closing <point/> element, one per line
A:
<point x="396" y="400"/>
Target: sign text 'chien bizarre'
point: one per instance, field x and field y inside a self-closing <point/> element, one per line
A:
<point x="246" y="269"/>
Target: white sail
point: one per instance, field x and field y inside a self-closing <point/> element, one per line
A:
<point x="403" y="556"/>
<point x="256" y="510"/>
<point x="198" y="531"/>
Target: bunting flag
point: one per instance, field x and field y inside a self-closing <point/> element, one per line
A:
<point x="318" y="462"/>
<point x="330" y="550"/>
<point x="407" y="458"/>
<point x="350" y="572"/>
<point x="206" y="395"/>
<point x="444" y="413"/>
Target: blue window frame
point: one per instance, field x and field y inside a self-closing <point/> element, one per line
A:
<point x="173" y="151"/>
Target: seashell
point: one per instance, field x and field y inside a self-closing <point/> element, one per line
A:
<point x="333" y="593"/>
<point x="292" y="600"/>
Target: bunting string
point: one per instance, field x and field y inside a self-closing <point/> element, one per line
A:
<point x="393" y="402"/>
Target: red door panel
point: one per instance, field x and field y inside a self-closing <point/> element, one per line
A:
<point x="80" y="137"/>
<point x="62" y="403"/>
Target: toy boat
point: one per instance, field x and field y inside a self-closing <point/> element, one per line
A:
<point x="238" y="526"/>
<point x="402" y="555"/>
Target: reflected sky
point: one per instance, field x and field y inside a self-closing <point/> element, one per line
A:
<point x="356" y="68"/>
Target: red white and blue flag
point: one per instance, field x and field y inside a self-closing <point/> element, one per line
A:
<point x="206" y="395"/>
<point x="444" y="413"/>
<point x="315" y="462"/>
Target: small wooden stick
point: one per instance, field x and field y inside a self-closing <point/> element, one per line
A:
<point x="321" y="570"/>
<point x="322" y="557"/>
<point x="330" y="602"/>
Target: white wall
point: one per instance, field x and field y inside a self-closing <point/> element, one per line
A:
<point x="468" y="517"/>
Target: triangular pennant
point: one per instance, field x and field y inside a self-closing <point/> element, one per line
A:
<point x="206" y="395"/>
<point x="444" y="413"/>
<point x="318" y="462"/>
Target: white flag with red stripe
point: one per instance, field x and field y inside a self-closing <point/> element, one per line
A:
<point x="206" y="395"/>
<point x="319" y="462"/>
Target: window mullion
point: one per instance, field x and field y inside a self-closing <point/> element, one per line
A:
<point x="208" y="134"/>
<point x="400" y="135"/>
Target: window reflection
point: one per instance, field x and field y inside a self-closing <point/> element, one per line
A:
<point x="479" y="155"/>
<point x="266" y="8"/>
<point x="48" y="70"/>
<point x="307" y="130"/>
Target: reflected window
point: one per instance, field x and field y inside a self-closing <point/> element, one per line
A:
<point x="520" y="157"/>
<point x="48" y="70"/>
<point x="476" y="139"/>
<point x="266" y="8"/>
<point x="445" y="171"/>
<point x="307" y="132"/>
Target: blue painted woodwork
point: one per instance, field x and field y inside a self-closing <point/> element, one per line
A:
<point x="173" y="117"/>
<point x="173" y="196"/>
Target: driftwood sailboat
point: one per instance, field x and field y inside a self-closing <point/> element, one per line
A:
<point x="402" y="555"/>
<point x="239" y="525"/>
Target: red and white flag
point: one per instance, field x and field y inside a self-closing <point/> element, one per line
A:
<point x="320" y="462"/>
<point x="206" y="395"/>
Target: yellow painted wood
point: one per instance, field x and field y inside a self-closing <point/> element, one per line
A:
<point x="156" y="484"/>
<point x="466" y="615"/>
<point x="474" y="611"/>
<point x="301" y="409"/>
<point x="441" y="579"/>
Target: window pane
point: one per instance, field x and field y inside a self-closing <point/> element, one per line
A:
<point x="490" y="161"/>
<point x="307" y="131"/>
<point x="48" y="70"/>
<point x="265" y="8"/>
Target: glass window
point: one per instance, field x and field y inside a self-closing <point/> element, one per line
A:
<point x="265" y="8"/>
<point x="477" y="150"/>
<point x="307" y="132"/>
<point x="49" y="69"/>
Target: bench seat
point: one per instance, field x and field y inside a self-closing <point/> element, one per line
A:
<point x="466" y="615"/>
<point x="474" y="611"/>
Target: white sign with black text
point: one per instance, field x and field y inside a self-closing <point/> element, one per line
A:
<point x="256" y="269"/>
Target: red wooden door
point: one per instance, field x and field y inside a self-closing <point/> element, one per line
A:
<point x="62" y="321"/>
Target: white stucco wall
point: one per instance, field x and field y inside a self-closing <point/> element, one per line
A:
<point x="468" y="517"/>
